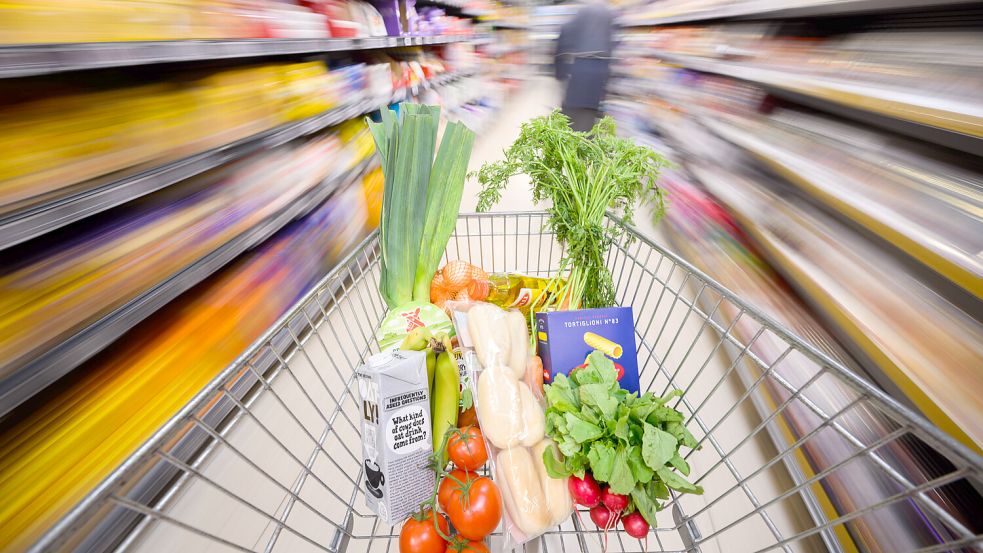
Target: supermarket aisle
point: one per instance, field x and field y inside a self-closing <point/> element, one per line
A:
<point x="537" y="97"/>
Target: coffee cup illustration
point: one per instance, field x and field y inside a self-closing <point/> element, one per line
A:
<point x="374" y="479"/>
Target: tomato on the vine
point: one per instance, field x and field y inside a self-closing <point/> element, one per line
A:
<point x="450" y="485"/>
<point x="476" y="547"/>
<point x="462" y="546"/>
<point x="466" y="448"/>
<point x="466" y="418"/>
<point x="475" y="508"/>
<point x="418" y="534"/>
<point x="617" y="367"/>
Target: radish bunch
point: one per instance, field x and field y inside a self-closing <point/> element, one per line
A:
<point x="606" y="507"/>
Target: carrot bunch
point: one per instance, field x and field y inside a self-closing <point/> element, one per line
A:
<point x="460" y="281"/>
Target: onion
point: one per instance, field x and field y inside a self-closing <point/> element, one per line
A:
<point x="477" y="273"/>
<point x="457" y="275"/>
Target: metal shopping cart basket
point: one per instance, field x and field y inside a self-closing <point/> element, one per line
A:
<point x="798" y="453"/>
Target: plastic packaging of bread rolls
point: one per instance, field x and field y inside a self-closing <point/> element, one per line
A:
<point x="495" y="344"/>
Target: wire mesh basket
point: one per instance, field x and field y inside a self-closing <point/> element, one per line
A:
<point x="798" y="454"/>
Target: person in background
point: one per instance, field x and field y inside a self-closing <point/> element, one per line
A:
<point x="583" y="60"/>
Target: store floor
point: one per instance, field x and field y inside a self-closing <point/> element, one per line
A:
<point x="287" y="476"/>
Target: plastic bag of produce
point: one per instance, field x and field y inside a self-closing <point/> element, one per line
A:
<point x="403" y="319"/>
<point x="511" y="415"/>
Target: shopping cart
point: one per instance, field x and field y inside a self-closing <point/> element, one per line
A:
<point x="267" y="457"/>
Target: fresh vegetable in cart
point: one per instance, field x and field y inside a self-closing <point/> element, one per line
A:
<point x="582" y="175"/>
<point x="629" y="443"/>
<point x="421" y="200"/>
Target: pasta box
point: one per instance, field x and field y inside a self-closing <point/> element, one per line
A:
<point x="566" y="338"/>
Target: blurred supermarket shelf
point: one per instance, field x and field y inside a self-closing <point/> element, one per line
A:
<point x="774" y="9"/>
<point x="960" y="123"/>
<point x="159" y="480"/>
<point x="42" y="59"/>
<point x="24" y="225"/>
<point x="40" y="371"/>
<point x="505" y="49"/>
<point x="934" y="349"/>
<point x="926" y="209"/>
<point x="457" y="6"/>
<point x="916" y="225"/>
<point x="510" y="25"/>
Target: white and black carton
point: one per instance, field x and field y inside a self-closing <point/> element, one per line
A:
<point x="396" y="433"/>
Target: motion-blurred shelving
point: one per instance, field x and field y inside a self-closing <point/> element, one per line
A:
<point x="25" y="379"/>
<point x="931" y="218"/>
<point x="898" y="323"/>
<point x="960" y="121"/>
<point x="775" y="9"/>
<point x="43" y="59"/>
<point x="100" y="195"/>
<point x="122" y="398"/>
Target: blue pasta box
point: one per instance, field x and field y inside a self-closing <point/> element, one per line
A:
<point x="566" y="338"/>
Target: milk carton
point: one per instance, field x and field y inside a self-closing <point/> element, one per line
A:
<point x="396" y="435"/>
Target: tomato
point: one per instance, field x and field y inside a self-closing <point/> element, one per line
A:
<point x="476" y="509"/>
<point x="476" y="547"/>
<point x="462" y="546"/>
<point x="468" y="417"/>
<point x="617" y="367"/>
<point x="620" y="369"/>
<point x="449" y="487"/>
<point x="419" y="535"/>
<point x="467" y="448"/>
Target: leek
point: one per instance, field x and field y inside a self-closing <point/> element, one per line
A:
<point x="421" y="196"/>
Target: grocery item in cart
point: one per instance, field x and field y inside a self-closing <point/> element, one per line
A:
<point x="454" y="281"/>
<point x="566" y="338"/>
<point x="396" y="436"/>
<point x="513" y="289"/>
<point x="512" y="419"/>
<point x="403" y="320"/>
<point x="582" y="174"/>
<point x="422" y="195"/>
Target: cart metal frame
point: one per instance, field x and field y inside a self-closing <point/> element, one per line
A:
<point x="267" y="456"/>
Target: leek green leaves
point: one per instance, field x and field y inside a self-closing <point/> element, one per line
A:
<point x="421" y="196"/>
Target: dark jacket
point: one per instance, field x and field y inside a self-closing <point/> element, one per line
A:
<point x="583" y="55"/>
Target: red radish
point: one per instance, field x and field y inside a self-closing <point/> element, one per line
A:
<point x="585" y="491"/>
<point x="602" y="517"/>
<point x="616" y="502"/>
<point x="635" y="526"/>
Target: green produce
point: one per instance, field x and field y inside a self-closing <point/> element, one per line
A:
<point x="421" y="196"/>
<point x="431" y="371"/>
<point x="421" y="339"/>
<point x="446" y="397"/>
<point x="417" y="340"/>
<point x="409" y="317"/>
<point x="630" y="442"/>
<point x="582" y="175"/>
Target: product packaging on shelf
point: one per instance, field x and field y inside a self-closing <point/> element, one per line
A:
<point x="495" y="343"/>
<point x="566" y="338"/>
<point x="396" y="435"/>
